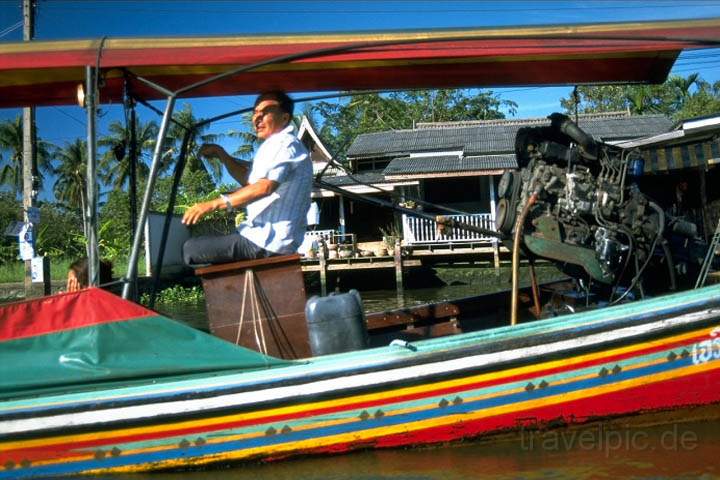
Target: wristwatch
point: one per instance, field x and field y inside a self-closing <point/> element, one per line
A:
<point x="229" y="205"/>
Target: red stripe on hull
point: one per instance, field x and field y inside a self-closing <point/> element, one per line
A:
<point x="697" y="389"/>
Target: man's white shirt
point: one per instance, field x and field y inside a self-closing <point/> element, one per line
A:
<point x="278" y="222"/>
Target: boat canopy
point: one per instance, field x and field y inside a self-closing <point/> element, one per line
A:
<point x="49" y="72"/>
<point x="92" y="337"/>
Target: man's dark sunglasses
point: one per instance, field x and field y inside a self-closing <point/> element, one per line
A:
<point x="267" y="110"/>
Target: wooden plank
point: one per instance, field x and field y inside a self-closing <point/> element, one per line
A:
<point x="340" y="266"/>
<point x="244" y="264"/>
<point x="426" y="314"/>
<point x="322" y="266"/>
<point x="397" y="254"/>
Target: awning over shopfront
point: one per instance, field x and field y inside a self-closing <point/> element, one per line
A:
<point x="690" y="155"/>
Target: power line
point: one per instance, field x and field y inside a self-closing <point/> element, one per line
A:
<point x="395" y="11"/>
<point x="708" y="62"/>
<point x="70" y="116"/>
<point x="11" y="29"/>
<point x="683" y="70"/>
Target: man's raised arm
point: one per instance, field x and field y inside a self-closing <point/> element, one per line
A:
<point x="238" y="169"/>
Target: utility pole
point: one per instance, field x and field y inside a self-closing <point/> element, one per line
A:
<point x="37" y="276"/>
<point x="29" y="153"/>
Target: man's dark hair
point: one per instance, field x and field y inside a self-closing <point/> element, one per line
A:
<point x="286" y="103"/>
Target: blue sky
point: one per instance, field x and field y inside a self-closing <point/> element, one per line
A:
<point x="67" y="19"/>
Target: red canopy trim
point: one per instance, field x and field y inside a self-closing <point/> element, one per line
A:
<point x="44" y="73"/>
<point x="625" y="68"/>
<point x="65" y="311"/>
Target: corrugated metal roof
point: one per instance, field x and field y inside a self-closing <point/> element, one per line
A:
<point x="493" y="138"/>
<point x="515" y="121"/>
<point x="449" y="164"/>
<point x="359" y="178"/>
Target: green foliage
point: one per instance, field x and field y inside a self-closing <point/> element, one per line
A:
<point x="11" y="155"/>
<point x="195" y="186"/>
<point x="14" y="272"/>
<point x="60" y="233"/>
<point x="248" y="140"/>
<point x="115" y="163"/>
<point x="10" y="212"/>
<point x="184" y="120"/>
<point x="705" y="101"/>
<point x="176" y="294"/>
<point x="71" y="183"/>
<point x="679" y="97"/>
<point x="366" y="113"/>
<point x="114" y="226"/>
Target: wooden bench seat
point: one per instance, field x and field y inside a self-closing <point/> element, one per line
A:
<point x="265" y="312"/>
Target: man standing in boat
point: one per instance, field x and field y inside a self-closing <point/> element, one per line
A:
<point x="275" y="190"/>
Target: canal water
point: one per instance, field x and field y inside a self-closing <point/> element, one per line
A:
<point x="678" y="444"/>
<point x="452" y="283"/>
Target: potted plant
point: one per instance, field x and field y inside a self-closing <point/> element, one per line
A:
<point x="345" y="251"/>
<point x="390" y="236"/>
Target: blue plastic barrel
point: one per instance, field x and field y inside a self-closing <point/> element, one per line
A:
<point x="637" y="166"/>
<point x="336" y="323"/>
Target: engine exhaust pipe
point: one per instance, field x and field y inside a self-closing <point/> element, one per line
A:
<point x="563" y="124"/>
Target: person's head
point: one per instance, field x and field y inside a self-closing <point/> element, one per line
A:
<point x="273" y="111"/>
<point x="79" y="271"/>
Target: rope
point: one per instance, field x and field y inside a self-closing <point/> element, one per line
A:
<point x="242" y="311"/>
<point x="258" y="329"/>
<point x="250" y="290"/>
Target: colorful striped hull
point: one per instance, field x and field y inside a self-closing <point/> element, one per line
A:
<point x="651" y="355"/>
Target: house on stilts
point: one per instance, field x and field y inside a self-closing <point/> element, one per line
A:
<point x="453" y="164"/>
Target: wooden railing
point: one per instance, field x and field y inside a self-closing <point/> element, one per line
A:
<point x="314" y="235"/>
<point x="320" y="234"/>
<point x="420" y="230"/>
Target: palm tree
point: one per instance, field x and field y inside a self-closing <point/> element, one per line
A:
<point x="71" y="184"/>
<point x="249" y="141"/>
<point x="681" y="88"/>
<point x="184" y="119"/>
<point x="11" y="155"/>
<point x="115" y="163"/>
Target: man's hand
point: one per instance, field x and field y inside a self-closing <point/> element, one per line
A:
<point x="196" y="212"/>
<point x="212" y="150"/>
<point x="238" y="169"/>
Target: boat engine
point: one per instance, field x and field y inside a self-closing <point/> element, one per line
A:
<point x="588" y="214"/>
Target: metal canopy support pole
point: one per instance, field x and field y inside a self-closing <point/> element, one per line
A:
<point x="133" y="157"/>
<point x="130" y="280"/>
<point x="91" y="194"/>
<point x="496" y="247"/>
<point x="179" y="168"/>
